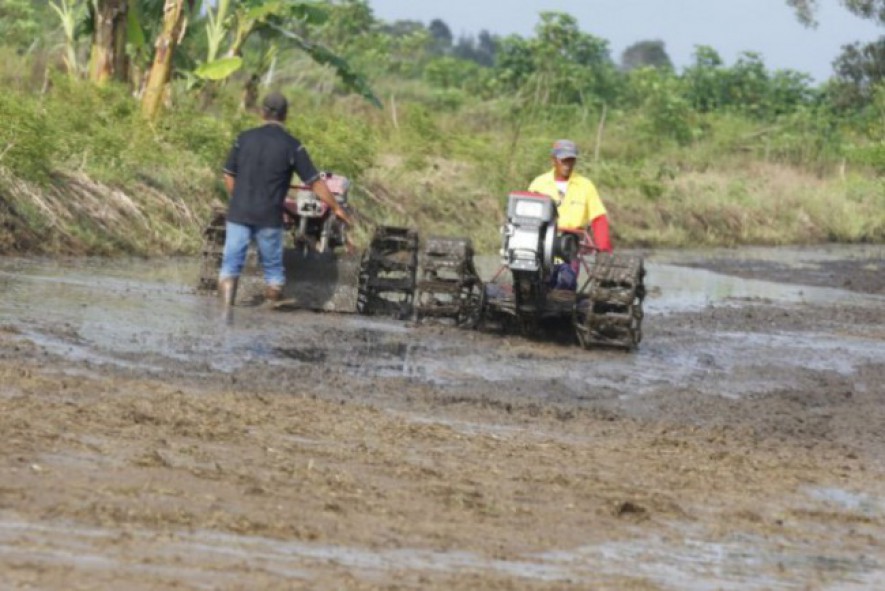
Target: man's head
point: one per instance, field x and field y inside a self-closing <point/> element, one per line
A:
<point x="274" y="107"/>
<point x="564" y="154"/>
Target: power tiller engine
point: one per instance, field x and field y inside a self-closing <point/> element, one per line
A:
<point x="606" y="305"/>
<point x="532" y="245"/>
<point x="531" y="239"/>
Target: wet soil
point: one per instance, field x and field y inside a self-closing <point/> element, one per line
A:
<point x="152" y="442"/>
<point x="856" y="269"/>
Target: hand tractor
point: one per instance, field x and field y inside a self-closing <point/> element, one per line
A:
<point x="310" y="222"/>
<point x="604" y="310"/>
<point x="441" y="284"/>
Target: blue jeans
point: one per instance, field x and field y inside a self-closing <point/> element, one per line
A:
<point x="270" y="252"/>
<point x="565" y="276"/>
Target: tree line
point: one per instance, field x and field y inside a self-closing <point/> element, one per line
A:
<point x="711" y="153"/>
<point x="201" y="44"/>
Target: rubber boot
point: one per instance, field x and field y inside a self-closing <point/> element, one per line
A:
<point x="272" y="294"/>
<point x="227" y="289"/>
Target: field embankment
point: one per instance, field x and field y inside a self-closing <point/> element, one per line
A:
<point x="82" y="173"/>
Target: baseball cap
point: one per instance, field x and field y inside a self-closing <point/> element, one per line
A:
<point x="564" y="149"/>
<point x="276" y="103"/>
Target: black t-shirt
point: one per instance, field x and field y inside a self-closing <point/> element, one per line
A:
<point x="263" y="160"/>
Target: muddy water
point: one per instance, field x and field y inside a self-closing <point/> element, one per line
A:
<point x="144" y="313"/>
<point x="738" y="375"/>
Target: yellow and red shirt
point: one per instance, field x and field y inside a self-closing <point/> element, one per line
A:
<point x="578" y="206"/>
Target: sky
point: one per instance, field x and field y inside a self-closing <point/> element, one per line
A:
<point x="767" y="27"/>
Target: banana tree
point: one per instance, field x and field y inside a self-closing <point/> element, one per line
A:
<point x="141" y="15"/>
<point x="107" y="58"/>
<point x="118" y="48"/>
<point x="238" y="21"/>
<point x="69" y="12"/>
<point x="175" y="13"/>
<point x="323" y="55"/>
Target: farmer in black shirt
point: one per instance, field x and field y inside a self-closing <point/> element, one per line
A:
<point x="257" y="174"/>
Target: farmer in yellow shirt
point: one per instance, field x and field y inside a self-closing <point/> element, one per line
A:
<point x="578" y="205"/>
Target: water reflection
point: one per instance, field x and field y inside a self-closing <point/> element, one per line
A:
<point x="143" y="313"/>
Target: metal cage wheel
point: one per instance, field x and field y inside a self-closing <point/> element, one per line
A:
<point x="472" y="308"/>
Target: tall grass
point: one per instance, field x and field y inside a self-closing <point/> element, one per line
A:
<point x="86" y="173"/>
<point x="81" y="171"/>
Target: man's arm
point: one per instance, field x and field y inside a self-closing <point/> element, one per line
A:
<point x="230" y="168"/>
<point x="601" y="238"/>
<point x="303" y="166"/>
<point x="319" y="187"/>
<point x="598" y="217"/>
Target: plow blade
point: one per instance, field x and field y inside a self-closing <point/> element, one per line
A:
<point x="321" y="282"/>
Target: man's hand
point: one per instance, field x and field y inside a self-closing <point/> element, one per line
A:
<point x="319" y="187"/>
<point x="229" y="182"/>
<point x="343" y="216"/>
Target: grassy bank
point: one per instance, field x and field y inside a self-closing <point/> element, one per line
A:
<point x="81" y="172"/>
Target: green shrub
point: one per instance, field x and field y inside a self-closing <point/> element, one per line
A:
<point x="27" y="144"/>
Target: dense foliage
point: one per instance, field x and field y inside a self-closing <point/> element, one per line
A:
<point x="715" y="153"/>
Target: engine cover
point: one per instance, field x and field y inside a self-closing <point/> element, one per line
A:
<point x="529" y="237"/>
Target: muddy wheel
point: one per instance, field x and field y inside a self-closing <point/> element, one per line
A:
<point x="528" y="326"/>
<point x="387" y="274"/>
<point x="610" y="312"/>
<point x="212" y="251"/>
<point x="472" y="309"/>
<point x="450" y="290"/>
<point x="366" y="297"/>
<point x="529" y="296"/>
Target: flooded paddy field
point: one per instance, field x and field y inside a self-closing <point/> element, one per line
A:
<point x="150" y="441"/>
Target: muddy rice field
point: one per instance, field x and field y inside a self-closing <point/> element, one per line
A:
<point x="149" y="441"/>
